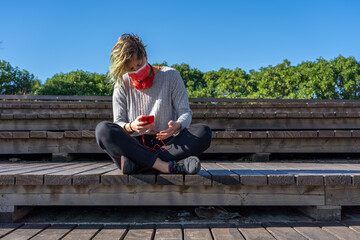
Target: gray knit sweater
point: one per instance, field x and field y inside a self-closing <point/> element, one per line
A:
<point x="167" y="100"/>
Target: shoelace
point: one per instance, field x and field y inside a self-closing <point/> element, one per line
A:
<point x="174" y="167"/>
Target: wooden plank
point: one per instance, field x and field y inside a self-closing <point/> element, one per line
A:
<point x="65" y="177"/>
<point x="326" y="133"/>
<point x="202" y="178"/>
<point x="145" y="195"/>
<point x="197" y="231"/>
<point x="225" y="231"/>
<point x="6" y="228"/>
<point x="284" y="134"/>
<point x="37" y="134"/>
<point x="37" y="177"/>
<point x="92" y="176"/>
<point x="342" y="133"/>
<point x="142" y="232"/>
<point x="142" y="179"/>
<point x="164" y="232"/>
<point x="25" y="232"/>
<point x="114" y="177"/>
<point x="8" y="177"/>
<point x="73" y="134"/>
<point x="335" y="179"/>
<point x="83" y="232"/>
<point x="21" y="134"/>
<point x="54" y="135"/>
<point x="254" y="231"/>
<point x="275" y="176"/>
<point x="354" y="227"/>
<point x="340" y="231"/>
<point x="282" y="231"/>
<point x="342" y="195"/>
<point x="220" y="175"/>
<point x="87" y="134"/>
<point x="247" y="175"/>
<point x="170" y="179"/>
<point x="6" y="135"/>
<point x="56" y="231"/>
<point x="111" y="232"/>
<point x="311" y="231"/>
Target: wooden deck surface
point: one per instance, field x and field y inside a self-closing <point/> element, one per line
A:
<point x="181" y="231"/>
<point x="212" y="173"/>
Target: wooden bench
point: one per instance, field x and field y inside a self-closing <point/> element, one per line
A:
<point x="319" y="189"/>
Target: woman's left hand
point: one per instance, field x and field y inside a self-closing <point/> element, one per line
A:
<point x="173" y="127"/>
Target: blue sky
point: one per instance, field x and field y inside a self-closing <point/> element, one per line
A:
<point x="49" y="37"/>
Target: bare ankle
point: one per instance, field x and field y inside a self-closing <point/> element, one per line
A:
<point x="161" y="165"/>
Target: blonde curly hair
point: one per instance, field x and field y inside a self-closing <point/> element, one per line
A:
<point x="124" y="49"/>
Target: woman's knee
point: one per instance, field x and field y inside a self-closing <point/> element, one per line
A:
<point x="204" y="133"/>
<point x="207" y="134"/>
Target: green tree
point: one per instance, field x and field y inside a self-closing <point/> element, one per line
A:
<point x="193" y="78"/>
<point x="318" y="80"/>
<point x="16" y="81"/>
<point x="77" y="83"/>
<point x="347" y="77"/>
<point x="280" y="81"/>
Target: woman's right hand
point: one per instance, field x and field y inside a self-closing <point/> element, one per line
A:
<point x="141" y="126"/>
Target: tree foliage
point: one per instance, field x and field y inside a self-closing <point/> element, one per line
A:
<point x="338" y="78"/>
<point x="16" y="81"/>
<point x="76" y="83"/>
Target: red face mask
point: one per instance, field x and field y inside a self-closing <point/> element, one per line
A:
<point x="141" y="73"/>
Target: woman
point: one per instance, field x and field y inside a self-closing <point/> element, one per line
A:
<point x="136" y="143"/>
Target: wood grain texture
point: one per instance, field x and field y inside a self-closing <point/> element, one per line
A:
<point x="111" y="232"/>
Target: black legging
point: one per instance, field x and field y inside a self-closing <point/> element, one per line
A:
<point x="115" y="141"/>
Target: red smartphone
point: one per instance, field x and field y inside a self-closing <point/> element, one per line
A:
<point x="148" y="119"/>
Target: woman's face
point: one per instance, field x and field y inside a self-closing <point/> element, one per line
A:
<point x="135" y="63"/>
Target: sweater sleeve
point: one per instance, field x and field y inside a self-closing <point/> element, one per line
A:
<point x="119" y="106"/>
<point x="180" y="100"/>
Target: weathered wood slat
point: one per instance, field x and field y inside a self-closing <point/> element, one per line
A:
<point x="225" y="231"/>
<point x="8" y="177"/>
<point x="354" y="227"/>
<point x="220" y="175"/>
<point x="247" y="175"/>
<point x="164" y="232"/>
<point x="142" y="179"/>
<point x="311" y="231"/>
<point x="282" y="231"/>
<point x="254" y="231"/>
<point x="111" y="232"/>
<point x="115" y="177"/>
<point x="25" y="232"/>
<point x="202" y="178"/>
<point x="83" y="232"/>
<point x="340" y="231"/>
<point x="37" y="177"/>
<point x="170" y="179"/>
<point x="275" y="175"/>
<point x="6" y="228"/>
<point x="92" y="176"/>
<point x="196" y="232"/>
<point x="145" y="195"/>
<point x="56" y="231"/>
<point x="65" y="177"/>
<point x="143" y="232"/>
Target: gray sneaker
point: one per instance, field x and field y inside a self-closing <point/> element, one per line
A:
<point x="190" y="165"/>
